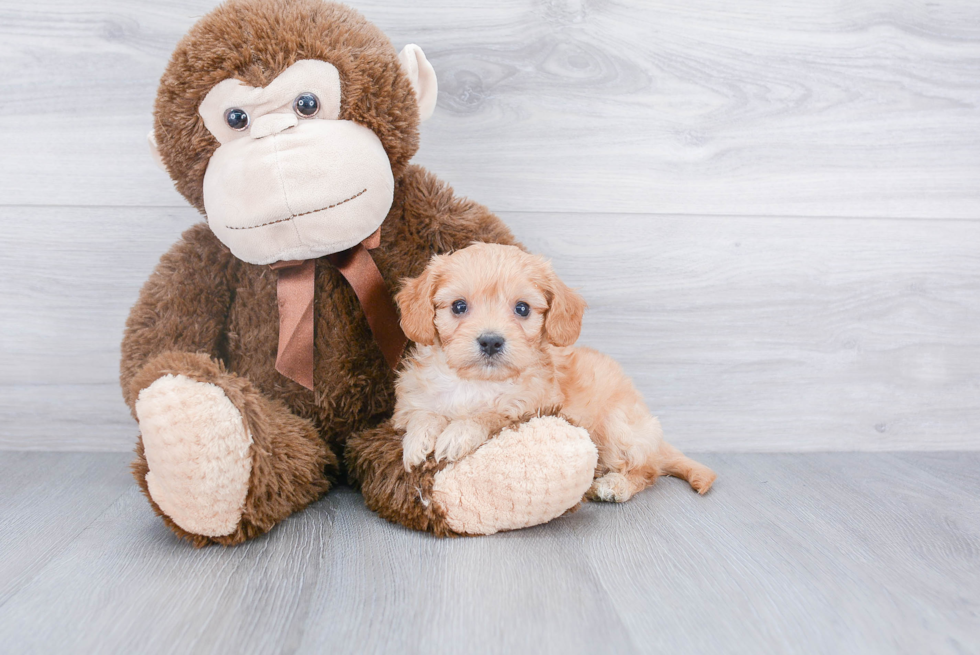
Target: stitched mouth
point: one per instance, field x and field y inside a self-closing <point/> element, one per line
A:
<point x="289" y="218"/>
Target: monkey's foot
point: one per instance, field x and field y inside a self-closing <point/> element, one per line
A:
<point x="197" y="450"/>
<point x="524" y="476"/>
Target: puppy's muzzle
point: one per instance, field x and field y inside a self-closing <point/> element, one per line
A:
<point x="491" y="344"/>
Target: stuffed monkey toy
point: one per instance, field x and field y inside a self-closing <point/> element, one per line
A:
<point x="259" y="359"/>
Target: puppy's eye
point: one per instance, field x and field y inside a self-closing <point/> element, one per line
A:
<point x="522" y="309"/>
<point x="459" y="307"/>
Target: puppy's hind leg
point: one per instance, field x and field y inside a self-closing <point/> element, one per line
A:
<point x="629" y="454"/>
<point x="616" y="487"/>
<point x="678" y="465"/>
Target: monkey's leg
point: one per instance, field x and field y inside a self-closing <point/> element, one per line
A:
<point x="525" y="475"/>
<point x="220" y="462"/>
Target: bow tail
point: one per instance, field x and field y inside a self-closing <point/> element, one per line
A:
<point x="296" y="287"/>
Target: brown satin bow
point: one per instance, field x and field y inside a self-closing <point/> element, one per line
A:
<point x="296" y="288"/>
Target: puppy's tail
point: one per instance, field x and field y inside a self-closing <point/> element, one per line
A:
<point x="679" y="465"/>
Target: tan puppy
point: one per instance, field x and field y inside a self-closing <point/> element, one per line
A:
<point x="493" y="327"/>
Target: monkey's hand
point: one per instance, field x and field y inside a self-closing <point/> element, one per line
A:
<point x="527" y="474"/>
<point x="421" y="432"/>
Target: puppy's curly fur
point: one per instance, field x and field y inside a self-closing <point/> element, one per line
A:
<point x="494" y="328"/>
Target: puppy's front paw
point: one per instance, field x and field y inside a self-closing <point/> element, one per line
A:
<point x="416" y="447"/>
<point x="420" y="438"/>
<point x="459" y="439"/>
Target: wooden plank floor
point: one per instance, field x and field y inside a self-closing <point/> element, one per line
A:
<point x="817" y="553"/>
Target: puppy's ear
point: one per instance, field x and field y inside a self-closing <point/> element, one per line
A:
<point x="563" y="322"/>
<point x="418" y="314"/>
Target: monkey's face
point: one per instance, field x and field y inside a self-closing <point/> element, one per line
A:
<point x="290" y="180"/>
<point x="287" y="122"/>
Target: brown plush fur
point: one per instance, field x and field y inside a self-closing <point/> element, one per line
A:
<point x="207" y="315"/>
<point x="202" y="300"/>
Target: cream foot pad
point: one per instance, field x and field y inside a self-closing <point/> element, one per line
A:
<point x="520" y="478"/>
<point x="197" y="450"/>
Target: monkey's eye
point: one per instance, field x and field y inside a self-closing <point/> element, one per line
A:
<point x="237" y="119"/>
<point x="522" y="309"/>
<point x="459" y="307"/>
<point x="306" y="105"/>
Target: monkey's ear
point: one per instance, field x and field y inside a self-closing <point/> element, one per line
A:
<point x="155" y="151"/>
<point x="422" y="76"/>
<point x="563" y="322"/>
<point x="418" y="314"/>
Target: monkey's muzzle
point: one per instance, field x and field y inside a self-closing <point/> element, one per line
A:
<point x="312" y="189"/>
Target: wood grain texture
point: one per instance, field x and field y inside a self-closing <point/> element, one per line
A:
<point x="46" y="501"/>
<point x="66" y="417"/>
<point x="865" y="108"/>
<point x="820" y="553"/>
<point x="784" y="334"/>
<point x="743" y="333"/>
<point x="829" y="554"/>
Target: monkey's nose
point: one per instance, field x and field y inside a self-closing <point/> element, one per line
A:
<point x="490" y="344"/>
<point x="272" y="124"/>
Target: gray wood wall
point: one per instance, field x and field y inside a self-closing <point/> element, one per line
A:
<point x="773" y="208"/>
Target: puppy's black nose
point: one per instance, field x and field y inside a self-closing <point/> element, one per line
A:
<point x="490" y="344"/>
